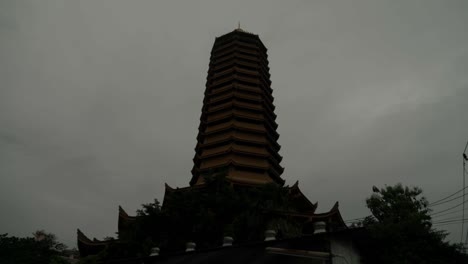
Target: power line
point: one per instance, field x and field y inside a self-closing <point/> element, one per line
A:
<point x="443" y="202"/>
<point x="433" y="215"/>
<point x="442" y="222"/>
<point x="448" y="219"/>
<point x="440" y="200"/>
<point x="448" y="223"/>
<point x="435" y="222"/>
<point x="448" y="209"/>
<point x="452" y="221"/>
<point x="439" y="215"/>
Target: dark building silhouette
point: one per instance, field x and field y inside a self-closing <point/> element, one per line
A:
<point x="237" y="135"/>
<point x="237" y="125"/>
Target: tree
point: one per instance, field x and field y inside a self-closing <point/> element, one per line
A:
<point x="48" y="241"/>
<point x="42" y="247"/>
<point x="401" y="230"/>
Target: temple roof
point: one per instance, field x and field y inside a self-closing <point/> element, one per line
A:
<point x="301" y="200"/>
<point x="124" y="220"/>
<point x="87" y="246"/>
<point x="93" y="246"/>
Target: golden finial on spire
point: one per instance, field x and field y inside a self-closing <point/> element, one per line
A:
<point x="238" y="25"/>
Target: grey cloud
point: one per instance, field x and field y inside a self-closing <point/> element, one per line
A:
<point x="100" y="101"/>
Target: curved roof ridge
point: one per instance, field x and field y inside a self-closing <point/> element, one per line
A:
<point x="124" y="215"/>
<point x="167" y="187"/>
<point x="82" y="238"/>
<point x="334" y="212"/>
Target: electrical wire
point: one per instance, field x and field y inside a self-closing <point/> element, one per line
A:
<point x="440" y="200"/>
<point x="448" y="209"/>
<point x="448" y="219"/>
<point x="453" y="212"/>
<point x="452" y="221"/>
<point x="434" y="214"/>
<point x="443" y="202"/>
<point x="448" y="223"/>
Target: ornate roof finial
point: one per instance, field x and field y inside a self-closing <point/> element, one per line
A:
<point x="239" y="29"/>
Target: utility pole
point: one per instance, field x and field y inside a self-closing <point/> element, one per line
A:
<point x="465" y="159"/>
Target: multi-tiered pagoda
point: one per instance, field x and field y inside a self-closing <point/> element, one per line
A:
<point x="237" y="134"/>
<point x="237" y="125"/>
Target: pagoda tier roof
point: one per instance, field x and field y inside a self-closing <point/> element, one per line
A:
<point x="238" y="99"/>
<point x="228" y="93"/>
<point x="239" y="71"/>
<point x="237" y="52"/>
<point x="235" y="125"/>
<point x="249" y="150"/>
<point x="242" y="35"/>
<point x="168" y="191"/>
<point x="236" y="103"/>
<point x="125" y="221"/>
<point x="304" y="204"/>
<point x="253" y="82"/>
<point x="84" y="239"/>
<point x="233" y="60"/>
<point x="217" y="65"/>
<point x="332" y="217"/>
<point x="271" y="169"/>
<point x="246" y="45"/>
<point x="238" y="136"/>
<point x="124" y="215"/>
<point x="87" y="246"/>
<point x="252" y="90"/>
<point x="216" y="62"/>
<point x="239" y="115"/>
<point x="231" y="155"/>
<point x="218" y="99"/>
<point x="217" y="149"/>
<point x="240" y="159"/>
<point x="237" y="46"/>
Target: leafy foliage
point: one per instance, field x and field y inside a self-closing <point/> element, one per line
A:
<point x="41" y="248"/>
<point x="401" y="230"/>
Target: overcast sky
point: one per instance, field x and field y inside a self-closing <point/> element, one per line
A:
<point x="100" y="101"/>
